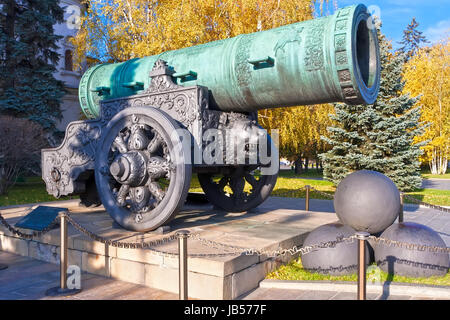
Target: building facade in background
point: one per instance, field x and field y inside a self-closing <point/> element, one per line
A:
<point x="70" y="106"/>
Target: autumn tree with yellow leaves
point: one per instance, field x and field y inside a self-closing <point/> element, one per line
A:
<point x="118" y="30"/>
<point x="427" y="75"/>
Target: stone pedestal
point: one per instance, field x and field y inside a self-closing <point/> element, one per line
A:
<point x="272" y="226"/>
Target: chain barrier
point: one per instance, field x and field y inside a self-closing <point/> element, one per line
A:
<point x="324" y="194"/>
<point x="272" y="253"/>
<point x="294" y="194"/>
<point x="230" y="250"/>
<point x="27" y="236"/>
<point x="409" y="246"/>
<point x="124" y="244"/>
<point x="428" y="205"/>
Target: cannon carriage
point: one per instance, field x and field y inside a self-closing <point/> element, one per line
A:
<point x="156" y="120"/>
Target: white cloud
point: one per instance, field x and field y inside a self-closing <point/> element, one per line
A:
<point x="438" y="32"/>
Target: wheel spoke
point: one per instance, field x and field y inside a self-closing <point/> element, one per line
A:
<point x="120" y="145"/>
<point x="251" y="179"/>
<point x="155" y="143"/>
<point x="140" y="197"/>
<point x="156" y="191"/>
<point x="122" y="194"/>
<point x="223" y="182"/>
<point x="158" y="167"/>
<point x="237" y="186"/>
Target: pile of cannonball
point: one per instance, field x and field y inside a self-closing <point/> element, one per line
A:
<point x="369" y="201"/>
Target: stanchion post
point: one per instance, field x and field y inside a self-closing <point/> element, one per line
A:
<point x="182" y="264"/>
<point x="362" y="238"/>
<point x="307" y="187"/>
<point x="62" y="290"/>
<point x="63" y="253"/>
<point x="400" y="214"/>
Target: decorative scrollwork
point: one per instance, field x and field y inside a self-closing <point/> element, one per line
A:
<point x="62" y="165"/>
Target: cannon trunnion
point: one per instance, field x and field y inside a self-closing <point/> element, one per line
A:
<point x="156" y="120"/>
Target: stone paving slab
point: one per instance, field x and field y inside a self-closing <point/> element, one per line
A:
<point x="277" y="223"/>
<point x="291" y="294"/>
<point x="28" y="279"/>
<point x="274" y="225"/>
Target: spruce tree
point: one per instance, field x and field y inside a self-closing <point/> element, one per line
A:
<point x="28" y="56"/>
<point x="412" y="39"/>
<point x="378" y="137"/>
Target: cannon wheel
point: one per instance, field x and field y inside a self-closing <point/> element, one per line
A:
<point x="141" y="171"/>
<point x="242" y="189"/>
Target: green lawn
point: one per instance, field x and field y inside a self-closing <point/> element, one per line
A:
<point x="32" y="189"/>
<point x="436" y="176"/>
<point x="288" y="184"/>
<point x="294" y="271"/>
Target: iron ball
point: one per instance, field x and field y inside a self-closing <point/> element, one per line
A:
<point x="367" y="201"/>
<point x="411" y="262"/>
<point x="340" y="259"/>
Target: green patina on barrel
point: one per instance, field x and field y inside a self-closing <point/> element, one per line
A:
<point x="330" y="59"/>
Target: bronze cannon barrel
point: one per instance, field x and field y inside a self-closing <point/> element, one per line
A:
<point x="329" y="59"/>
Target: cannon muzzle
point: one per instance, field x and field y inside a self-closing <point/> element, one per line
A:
<point x="329" y="59"/>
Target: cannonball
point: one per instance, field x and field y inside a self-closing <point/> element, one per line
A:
<point x="411" y="262"/>
<point x="338" y="260"/>
<point x="367" y="201"/>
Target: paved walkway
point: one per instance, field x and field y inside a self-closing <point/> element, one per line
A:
<point x="437" y="220"/>
<point x="28" y="279"/>
<point x="292" y="294"/>
<point x="440" y="184"/>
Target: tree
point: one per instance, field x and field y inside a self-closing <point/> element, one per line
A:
<point x="428" y="74"/>
<point x="378" y="137"/>
<point x="300" y="129"/>
<point x="412" y="40"/>
<point x="20" y="150"/>
<point x="113" y="31"/>
<point x="28" y="56"/>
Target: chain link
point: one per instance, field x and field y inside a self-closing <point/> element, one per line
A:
<point x="230" y="250"/>
<point x="35" y="234"/>
<point x="429" y="205"/>
<point x="123" y="244"/>
<point x="271" y="253"/>
<point x="294" y="194"/>
<point x="327" y="195"/>
<point x="409" y="246"/>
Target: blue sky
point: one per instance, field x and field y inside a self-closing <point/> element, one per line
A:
<point x="433" y="16"/>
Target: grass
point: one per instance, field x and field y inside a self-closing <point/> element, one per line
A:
<point x="288" y="186"/>
<point x="32" y="189"/>
<point x="426" y="174"/>
<point x="433" y="196"/>
<point x="294" y="271"/>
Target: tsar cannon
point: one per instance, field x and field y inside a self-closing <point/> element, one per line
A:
<point x="154" y="121"/>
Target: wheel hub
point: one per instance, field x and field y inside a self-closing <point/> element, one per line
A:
<point x="129" y="168"/>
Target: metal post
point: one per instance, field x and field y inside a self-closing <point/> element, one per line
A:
<point x="362" y="238"/>
<point x="182" y="264"/>
<point x="307" y="198"/>
<point x="62" y="290"/>
<point x="63" y="253"/>
<point x="400" y="214"/>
